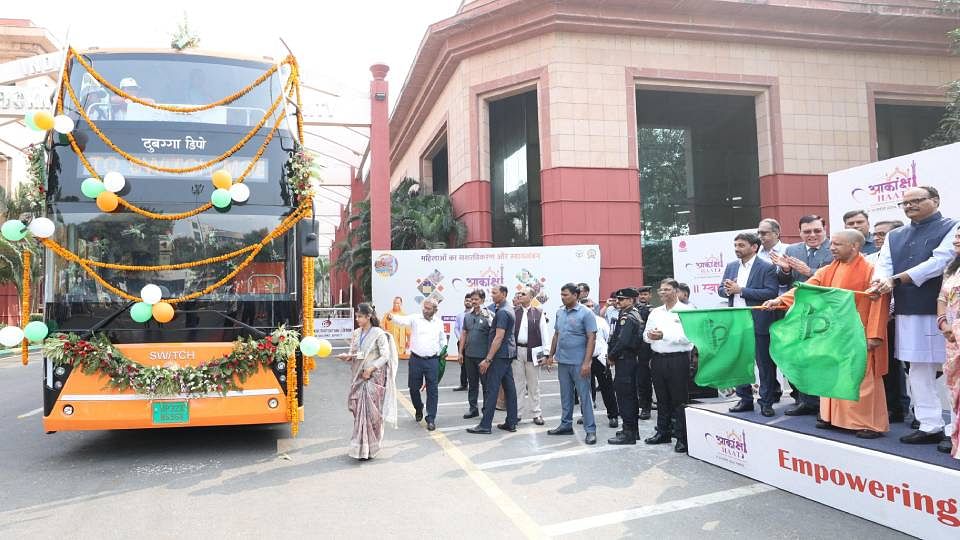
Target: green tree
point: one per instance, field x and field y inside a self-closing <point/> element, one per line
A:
<point x="19" y="206"/>
<point x="949" y="129"/>
<point x="417" y="220"/>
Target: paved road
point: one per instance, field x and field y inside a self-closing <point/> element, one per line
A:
<point x="257" y="482"/>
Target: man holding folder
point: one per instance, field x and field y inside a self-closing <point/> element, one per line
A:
<point x="747" y="282"/>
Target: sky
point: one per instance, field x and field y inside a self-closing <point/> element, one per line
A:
<point x="334" y="41"/>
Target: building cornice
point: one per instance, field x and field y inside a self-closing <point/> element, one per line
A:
<point x="901" y="27"/>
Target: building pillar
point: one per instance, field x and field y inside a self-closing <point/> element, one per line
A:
<point x="471" y="205"/>
<point x="596" y="206"/>
<point x="788" y="197"/>
<point x="379" y="159"/>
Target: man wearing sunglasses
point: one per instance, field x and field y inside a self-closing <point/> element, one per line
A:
<point x="798" y="263"/>
<point x="911" y="264"/>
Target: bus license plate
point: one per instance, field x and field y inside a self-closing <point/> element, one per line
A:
<point x="171" y="412"/>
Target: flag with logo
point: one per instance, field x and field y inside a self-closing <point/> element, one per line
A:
<point x="821" y="344"/>
<point x="726" y="344"/>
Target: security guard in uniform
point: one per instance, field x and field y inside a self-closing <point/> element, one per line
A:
<point x="626" y="342"/>
<point x="644" y="380"/>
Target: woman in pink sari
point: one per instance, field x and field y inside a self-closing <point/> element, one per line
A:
<point x="373" y="389"/>
<point x="948" y="320"/>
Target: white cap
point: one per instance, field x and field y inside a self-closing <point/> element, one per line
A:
<point x="127" y="82"/>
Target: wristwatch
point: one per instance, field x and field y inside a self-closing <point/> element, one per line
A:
<point x="897" y="282"/>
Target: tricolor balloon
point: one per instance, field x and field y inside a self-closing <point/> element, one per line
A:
<point x="42" y="227"/>
<point x="13" y="230"/>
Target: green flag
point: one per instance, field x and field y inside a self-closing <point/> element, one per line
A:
<point x="725" y="340"/>
<point x="821" y="344"/>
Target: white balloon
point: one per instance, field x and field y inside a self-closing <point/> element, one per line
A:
<point x="151" y="294"/>
<point x="42" y="227"/>
<point x="239" y="192"/>
<point x="114" y="181"/>
<point x="11" y="336"/>
<point x="62" y="124"/>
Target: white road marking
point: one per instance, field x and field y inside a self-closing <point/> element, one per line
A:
<point x="34" y="412"/>
<point x="480" y="402"/>
<point x="613" y="518"/>
<point x="552" y="455"/>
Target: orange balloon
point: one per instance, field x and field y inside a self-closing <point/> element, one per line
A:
<point x="108" y="201"/>
<point x="43" y="120"/>
<point x="162" y="312"/>
<point x="222" y="179"/>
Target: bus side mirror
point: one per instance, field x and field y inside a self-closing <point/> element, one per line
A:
<point x="308" y="236"/>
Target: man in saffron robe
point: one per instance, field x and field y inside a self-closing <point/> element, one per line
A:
<point x="850" y="270"/>
<point x="400" y="333"/>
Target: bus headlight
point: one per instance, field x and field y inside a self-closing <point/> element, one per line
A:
<point x="58" y="385"/>
<point x="60" y="371"/>
<point x="68" y="410"/>
<point x="281" y="366"/>
<point x="273" y="403"/>
<point x="283" y="378"/>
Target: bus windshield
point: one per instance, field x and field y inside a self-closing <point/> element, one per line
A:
<point x="172" y="79"/>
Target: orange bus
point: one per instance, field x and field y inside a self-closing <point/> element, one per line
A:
<point x="201" y="350"/>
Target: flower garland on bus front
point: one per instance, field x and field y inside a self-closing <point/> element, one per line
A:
<point x="216" y="376"/>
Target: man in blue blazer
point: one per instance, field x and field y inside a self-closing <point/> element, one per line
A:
<point x="751" y="281"/>
<point x="798" y="263"/>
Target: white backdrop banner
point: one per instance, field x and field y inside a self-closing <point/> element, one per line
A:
<point x="699" y="261"/>
<point x="910" y="496"/>
<point x="878" y="187"/>
<point x="446" y="275"/>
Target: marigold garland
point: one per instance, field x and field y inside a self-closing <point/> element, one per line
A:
<point x="288" y="223"/>
<point x="217" y="376"/>
<point x="293" y="403"/>
<point x="72" y="54"/>
<point x="25" y="307"/>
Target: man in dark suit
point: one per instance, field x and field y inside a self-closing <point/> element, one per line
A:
<point x="798" y="263"/>
<point x="751" y="281"/>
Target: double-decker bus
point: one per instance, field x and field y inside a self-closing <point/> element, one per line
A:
<point x="260" y="298"/>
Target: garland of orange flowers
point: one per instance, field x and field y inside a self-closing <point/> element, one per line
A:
<point x="293" y="403"/>
<point x="72" y="53"/>
<point x="254" y="249"/>
<point x="288" y="91"/>
<point x="308" y="285"/>
<point x="25" y="307"/>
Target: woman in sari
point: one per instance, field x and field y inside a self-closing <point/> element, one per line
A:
<point x="373" y="389"/>
<point x="948" y="320"/>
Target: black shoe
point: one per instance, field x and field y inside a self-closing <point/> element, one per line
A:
<point x="742" y="406"/>
<point x="777" y="396"/>
<point x="915" y="424"/>
<point x="460" y="389"/>
<point x="472" y="414"/>
<point x="945" y="446"/>
<point x="801" y="410"/>
<point x="869" y="434"/>
<point x="680" y="447"/>
<point x="896" y="416"/>
<point x="419" y="416"/>
<point x="591" y="438"/>
<point x="507" y="427"/>
<point x="538" y="420"/>
<point x="623" y="437"/>
<point x="614" y="422"/>
<point x="431" y="426"/>
<point x="644" y="414"/>
<point x="478" y="430"/>
<point x="560" y="431"/>
<point x="767" y="410"/>
<point x="658" y="438"/>
<point x="823" y="424"/>
<point x="922" y="437"/>
<point x="580" y="421"/>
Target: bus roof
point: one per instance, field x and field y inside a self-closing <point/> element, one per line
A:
<point x="267" y="60"/>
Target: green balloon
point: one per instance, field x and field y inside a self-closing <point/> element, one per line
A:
<point x="13" y="230"/>
<point x="220" y="198"/>
<point x="310" y="346"/>
<point x="141" y="312"/>
<point x="36" y="331"/>
<point x="28" y="120"/>
<point x="91" y="187"/>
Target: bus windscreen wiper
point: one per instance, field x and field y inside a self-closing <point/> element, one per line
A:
<point x="107" y="320"/>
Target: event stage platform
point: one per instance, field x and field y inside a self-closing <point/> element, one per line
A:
<point x="913" y="489"/>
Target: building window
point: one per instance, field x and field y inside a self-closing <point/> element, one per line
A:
<point x="901" y="129"/>
<point x="699" y="170"/>
<point x="439" y="172"/>
<point x="515" y="171"/>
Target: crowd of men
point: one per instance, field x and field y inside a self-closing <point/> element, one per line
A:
<point x="632" y="352"/>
